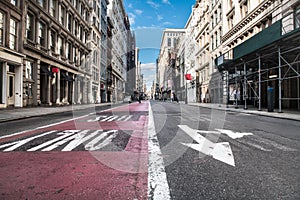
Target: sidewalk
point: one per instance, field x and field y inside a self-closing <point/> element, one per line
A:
<point x="22" y="113"/>
<point x="286" y="114"/>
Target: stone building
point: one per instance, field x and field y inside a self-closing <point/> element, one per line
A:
<point x="55" y="68"/>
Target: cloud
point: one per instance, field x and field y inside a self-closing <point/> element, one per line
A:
<point x="153" y="5"/>
<point x="166" y="2"/>
<point x="138" y="12"/>
<point x="131" y="18"/>
<point x="149" y="79"/>
<point x="159" y="17"/>
<point x="168" y="23"/>
<point x="148" y="66"/>
<point x="130" y="6"/>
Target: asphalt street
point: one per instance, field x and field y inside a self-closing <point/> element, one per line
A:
<point x="153" y="150"/>
<point x="266" y="158"/>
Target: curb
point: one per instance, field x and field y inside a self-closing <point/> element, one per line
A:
<point x="259" y="113"/>
<point x="55" y="112"/>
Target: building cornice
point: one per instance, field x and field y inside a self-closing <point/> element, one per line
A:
<point x="253" y="14"/>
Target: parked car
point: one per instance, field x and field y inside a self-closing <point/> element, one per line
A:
<point x="127" y="99"/>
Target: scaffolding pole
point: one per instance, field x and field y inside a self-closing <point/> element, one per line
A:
<point x="245" y="86"/>
<point x="259" y="83"/>
<point x="236" y="99"/>
<point x="279" y="80"/>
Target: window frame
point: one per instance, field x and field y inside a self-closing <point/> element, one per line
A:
<point x="2" y="29"/>
<point x="44" y="34"/>
<point x="52" y="8"/>
<point x="13" y="35"/>
<point x="297" y="17"/>
<point x="53" y="40"/>
<point x="32" y="27"/>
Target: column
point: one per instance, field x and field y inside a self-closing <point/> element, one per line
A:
<point x="58" y="88"/>
<point x="48" y="87"/>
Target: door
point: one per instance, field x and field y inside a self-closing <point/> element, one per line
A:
<point x="10" y="89"/>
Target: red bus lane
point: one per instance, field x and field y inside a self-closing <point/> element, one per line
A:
<point x="100" y="156"/>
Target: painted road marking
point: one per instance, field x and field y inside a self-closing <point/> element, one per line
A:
<point x="22" y="142"/>
<point x="93" y="146"/>
<point x="105" y="118"/>
<point x="219" y="151"/>
<point x="63" y="136"/>
<point x="96" y="140"/>
<point x="158" y="187"/>
<point x="233" y="135"/>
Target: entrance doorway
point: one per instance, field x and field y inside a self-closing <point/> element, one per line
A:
<point x="10" y="89"/>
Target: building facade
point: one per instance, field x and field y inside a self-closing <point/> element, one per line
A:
<point x="11" y="55"/>
<point x="55" y="68"/>
<point x="119" y="19"/>
<point x="166" y="62"/>
<point x="61" y="57"/>
<point x="234" y="51"/>
<point x="260" y="51"/>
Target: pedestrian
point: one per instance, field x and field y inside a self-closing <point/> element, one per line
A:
<point x="175" y="97"/>
<point x="140" y="98"/>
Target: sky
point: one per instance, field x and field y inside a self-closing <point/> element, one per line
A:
<point x="148" y="19"/>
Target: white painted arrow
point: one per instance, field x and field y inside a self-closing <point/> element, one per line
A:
<point x="219" y="151"/>
<point x="233" y="135"/>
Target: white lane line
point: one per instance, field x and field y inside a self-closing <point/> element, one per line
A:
<point x="158" y="187"/>
<point x="22" y="142"/>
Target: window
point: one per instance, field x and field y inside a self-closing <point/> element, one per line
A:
<point x="52" y="8"/>
<point x="70" y="22"/>
<point x="230" y="4"/>
<point x="29" y="70"/>
<point x="29" y="27"/>
<point x="297" y="18"/>
<point x="29" y="79"/>
<point x="53" y="41"/>
<point x="60" y="46"/>
<point x="1" y="28"/>
<point x="14" y="2"/>
<point x="13" y="34"/>
<point x="169" y="42"/>
<point x="69" y="49"/>
<point x="230" y="22"/>
<point x="42" y="3"/>
<point x="174" y="42"/>
<point x="42" y="34"/>
<point x="245" y="8"/>
<point x="62" y="15"/>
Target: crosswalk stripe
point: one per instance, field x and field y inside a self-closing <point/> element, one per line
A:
<point x="103" y="143"/>
<point x="22" y="142"/>
<point x="107" y="118"/>
<point x="80" y="139"/>
<point x="90" y="146"/>
<point x="64" y="135"/>
<point x="128" y="118"/>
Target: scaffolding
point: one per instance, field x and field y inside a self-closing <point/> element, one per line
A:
<point x="276" y="65"/>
